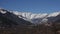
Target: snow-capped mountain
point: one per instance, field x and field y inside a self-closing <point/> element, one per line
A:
<point x="32" y="17"/>
<point x="8" y="18"/>
<point x="36" y="18"/>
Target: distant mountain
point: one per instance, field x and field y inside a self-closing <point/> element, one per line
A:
<point x="22" y="17"/>
<point x="8" y="19"/>
<point x="37" y="18"/>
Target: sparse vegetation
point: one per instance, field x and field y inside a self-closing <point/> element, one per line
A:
<point x="39" y="29"/>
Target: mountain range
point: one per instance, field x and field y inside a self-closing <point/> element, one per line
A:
<point x="38" y="18"/>
<point x="28" y="17"/>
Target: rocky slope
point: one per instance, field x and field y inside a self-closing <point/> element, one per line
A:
<point x="9" y="19"/>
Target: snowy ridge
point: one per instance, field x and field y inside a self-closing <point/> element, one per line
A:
<point x="36" y="18"/>
<point x="33" y="16"/>
<point x="54" y="14"/>
<point x="30" y="15"/>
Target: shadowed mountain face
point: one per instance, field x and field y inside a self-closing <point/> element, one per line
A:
<point x="54" y="19"/>
<point x="9" y="19"/>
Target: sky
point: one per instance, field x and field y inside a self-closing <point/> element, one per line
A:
<point x="34" y="6"/>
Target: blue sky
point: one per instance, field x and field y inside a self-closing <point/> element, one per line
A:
<point x="34" y="6"/>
